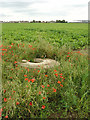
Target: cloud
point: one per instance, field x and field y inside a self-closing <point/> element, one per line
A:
<point x="45" y="9"/>
<point x="19" y="4"/>
<point x="79" y="5"/>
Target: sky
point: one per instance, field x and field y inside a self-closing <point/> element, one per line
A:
<point x="44" y="10"/>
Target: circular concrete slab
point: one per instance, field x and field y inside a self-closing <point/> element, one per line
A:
<point x="40" y="63"/>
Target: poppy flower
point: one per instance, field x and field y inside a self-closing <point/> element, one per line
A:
<point x="6" y="116"/>
<point x="56" y="74"/>
<point x="17" y="103"/>
<point x="26" y="78"/>
<point x="44" y="98"/>
<point x="43" y="106"/>
<point x="61" y="77"/>
<point x="68" y="56"/>
<point x="5" y="99"/>
<point x="32" y="80"/>
<point x="25" y="75"/>
<point x="10" y="98"/>
<point x="0" y="113"/>
<point x="60" y="74"/>
<point x="54" y="90"/>
<point x="61" y="85"/>
<point x="4" y="91"/>
<point x="15" y="62"/>
<point x="48" y="85"/>
<point x="42" y="86"/>
<point x="29" y="80"/>
<point x="58" y="82"/>
<point x="55" y="70"/>
<point x="39" y="92"/>
<point x="46" y="75"/>
<point x="30" y="103"/>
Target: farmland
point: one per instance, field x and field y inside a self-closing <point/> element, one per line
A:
<point x="58" y="92"/>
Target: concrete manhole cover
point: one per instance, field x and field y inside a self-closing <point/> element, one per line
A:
<point x="40" y="63"/>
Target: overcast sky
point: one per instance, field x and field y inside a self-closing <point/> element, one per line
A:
<point x="43" y="10"/>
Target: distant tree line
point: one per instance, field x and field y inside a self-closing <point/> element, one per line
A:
<point x="34" y="21"/>
<point x="61" y="21"/>
<point x="57" y="21"/>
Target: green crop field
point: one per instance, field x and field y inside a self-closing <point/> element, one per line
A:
<point x="59" y="34"/>
<point x="58" y="92"/>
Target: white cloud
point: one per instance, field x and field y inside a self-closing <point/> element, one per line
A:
<point x="44" y="9"/>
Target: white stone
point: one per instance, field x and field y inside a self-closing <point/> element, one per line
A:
<point x="40" y="63"/>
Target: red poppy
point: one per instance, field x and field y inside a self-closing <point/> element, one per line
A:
<point x="15" y="62"/>
<point x="4" y="91"/>
<point x="68" y="56"/>
<point x="60" y="74"/>
<point x="38" y="70"/>
<point x="55" y="70"/>
<point x="48" y="85"/>
<point x="17" y="103"/>
<point x="44" y="98"/>
<point x="39" y="92"/>
<point x="30" y="103"/>
<point x="5" y="99"/>
<point x="54" y="90"/>
<point x="10" y="98"/>
<point x="28" y="70"/>
<point x="46" y="75"/>
<point x="32" y="80"/>
<point x="6" y="116"/>
<point x="29" y="80"/>
<point x="42" y="86"/>
<point x="26" y="78"/>
<point x="1" y="109"/>
<point x="0" y="113"/>
<point x="61" y="85"/>
<point x="25" y="75"/>
<point x="61" y="77"/>
<point x="43" y="106"/>
<point x="58" y="82"/>
<point x="30" y="45"/>
<point x="56" y="74"/>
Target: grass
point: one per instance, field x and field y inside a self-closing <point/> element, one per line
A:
<point x="58" y="92"/>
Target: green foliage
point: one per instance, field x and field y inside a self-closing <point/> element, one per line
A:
<point x="59" y="92"/>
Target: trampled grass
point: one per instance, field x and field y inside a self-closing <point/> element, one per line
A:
<point x="59" y="92"/>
